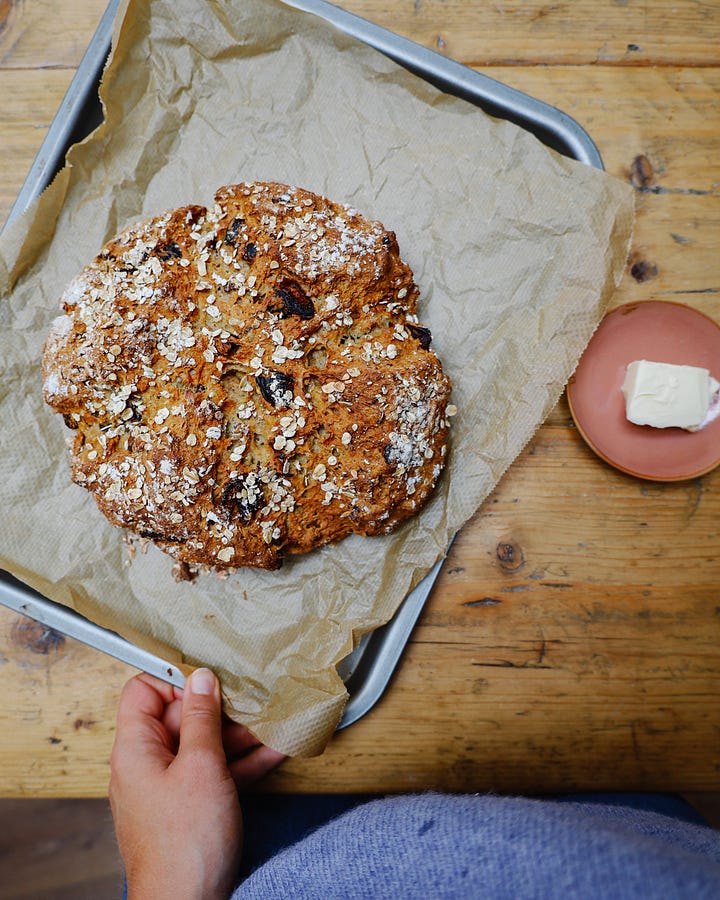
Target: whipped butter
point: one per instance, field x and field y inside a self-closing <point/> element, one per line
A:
<point x="664" y="395"/>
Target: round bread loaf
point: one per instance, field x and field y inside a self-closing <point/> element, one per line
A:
<point x="250" y="380"/>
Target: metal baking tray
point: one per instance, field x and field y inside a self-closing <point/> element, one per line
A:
<point x="368" y="669"/>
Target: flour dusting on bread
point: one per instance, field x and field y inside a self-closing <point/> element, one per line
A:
<point x="251" y="380"/>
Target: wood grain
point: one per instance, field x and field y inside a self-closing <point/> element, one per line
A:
<point x="24" y="122"/>
<point x="44" y="34"/>
<point x="572" y="640"/>
<point x="576" y="32"/>
<point x="56" y="732"/>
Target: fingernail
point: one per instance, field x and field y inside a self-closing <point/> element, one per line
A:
<point x="202" y="681"/>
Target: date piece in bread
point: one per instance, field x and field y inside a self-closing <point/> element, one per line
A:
<point x="250" y="380"/>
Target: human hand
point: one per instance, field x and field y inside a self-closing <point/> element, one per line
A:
<point x="175" y="770"/>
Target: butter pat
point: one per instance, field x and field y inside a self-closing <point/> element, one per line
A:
<point x="668" y="396"/>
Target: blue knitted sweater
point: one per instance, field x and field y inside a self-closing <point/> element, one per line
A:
<point x="438" y="846"/>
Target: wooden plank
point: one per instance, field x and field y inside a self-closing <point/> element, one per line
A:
<point x="568" y="518"/>
<point x="669" y="114"/>
<point x="46" y="34"/>
<point x="55" y="737"/>
<point x="582" y="32"/>
<point x="576" y="32"/>
<point x="31" y="99"/>
<point x="492" y="738"/>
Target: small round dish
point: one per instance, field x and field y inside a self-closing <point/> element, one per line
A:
<point x="658" y="331"/>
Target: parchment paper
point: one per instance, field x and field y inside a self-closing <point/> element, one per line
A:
<point x="516" y="251"/>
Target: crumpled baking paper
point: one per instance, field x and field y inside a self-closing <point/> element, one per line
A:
<point x="516" y="250"/>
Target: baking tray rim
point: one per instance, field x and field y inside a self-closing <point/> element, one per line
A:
<point x="365" y="683"/>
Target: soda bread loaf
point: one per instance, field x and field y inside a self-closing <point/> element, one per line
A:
<point x="250" y="380"/>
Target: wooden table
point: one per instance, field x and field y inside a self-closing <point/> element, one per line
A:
<point x="573" y="638"/>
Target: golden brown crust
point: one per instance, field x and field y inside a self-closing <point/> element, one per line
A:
<point x="251" y="380"/>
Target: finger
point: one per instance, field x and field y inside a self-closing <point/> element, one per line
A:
<point x="139" y="723"/>
<point x="167" y="691"/>
<point x="141" y="695"/>
<point x="142" y="703"/>
<point x="200" y="716"/>
<point x="255" y="765"/>
<point x="171" y="720"/>
<point x="237" y="740"/>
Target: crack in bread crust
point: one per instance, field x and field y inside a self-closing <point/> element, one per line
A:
<point x="250" y="380"/>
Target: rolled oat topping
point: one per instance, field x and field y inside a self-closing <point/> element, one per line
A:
<point x="249" y="380"/>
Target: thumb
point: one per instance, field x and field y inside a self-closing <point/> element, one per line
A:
<point x="201" y="715"/>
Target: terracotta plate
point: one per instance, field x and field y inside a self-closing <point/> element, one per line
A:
<point x="660" y="332"/>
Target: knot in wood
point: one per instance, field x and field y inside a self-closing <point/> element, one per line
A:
<point x="510" y="555"/>
<point x="36" y="637"/>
